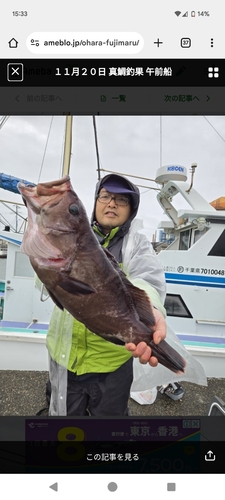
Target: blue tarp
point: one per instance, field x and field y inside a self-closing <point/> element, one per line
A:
<point x="10" y="183"/>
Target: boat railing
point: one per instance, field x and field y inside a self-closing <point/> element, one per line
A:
<point x="16" y="222"/>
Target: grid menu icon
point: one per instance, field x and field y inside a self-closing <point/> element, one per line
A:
<point x="213" y="72"/>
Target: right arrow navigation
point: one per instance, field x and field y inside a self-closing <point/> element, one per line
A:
<point x="54" y="486"/>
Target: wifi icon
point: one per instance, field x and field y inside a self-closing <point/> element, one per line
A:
<point x="178" y="13"/>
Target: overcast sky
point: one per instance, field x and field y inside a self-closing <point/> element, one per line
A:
<point x="127" y="144"/>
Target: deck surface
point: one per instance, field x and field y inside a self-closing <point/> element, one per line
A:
<point x="23" y="394"/>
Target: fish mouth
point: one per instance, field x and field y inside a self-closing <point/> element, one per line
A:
<point x="57" y="230"/>
<point x="44" y="193"/>
<point x="51" y="262"/>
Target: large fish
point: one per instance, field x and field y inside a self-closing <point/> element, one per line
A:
<point x="83" y="277"/>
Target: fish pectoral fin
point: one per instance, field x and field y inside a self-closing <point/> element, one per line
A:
<point x="142" y="304"/>
<point x="55" y="300"/>
<point x="74" y="286"/>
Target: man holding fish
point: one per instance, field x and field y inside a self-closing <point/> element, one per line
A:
<point x="109" y="294"/>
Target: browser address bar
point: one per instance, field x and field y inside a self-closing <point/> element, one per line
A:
<point x="85" y="43"/>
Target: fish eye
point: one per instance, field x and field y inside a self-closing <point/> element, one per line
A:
<point x="73" y="209"/>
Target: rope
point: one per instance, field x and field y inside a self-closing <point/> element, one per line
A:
<point x="3" y="121"/>
<point x="221" y="137"/>
<point x="96" y="146"/>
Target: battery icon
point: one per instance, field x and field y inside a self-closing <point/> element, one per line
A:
<point x="193" y="13"/>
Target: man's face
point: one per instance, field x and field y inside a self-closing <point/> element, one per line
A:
<point x="110" y="215"/>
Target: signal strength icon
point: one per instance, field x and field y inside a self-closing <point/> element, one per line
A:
<point x="178" y="13"/>
<point x="185" y="14"/>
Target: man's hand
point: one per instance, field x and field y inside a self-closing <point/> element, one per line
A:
<point x="142" y="350"/>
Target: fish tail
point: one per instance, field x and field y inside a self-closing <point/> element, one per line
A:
<point x="168" y="357"/>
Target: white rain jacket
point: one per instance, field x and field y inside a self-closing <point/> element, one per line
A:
<point x="144" y="270"/>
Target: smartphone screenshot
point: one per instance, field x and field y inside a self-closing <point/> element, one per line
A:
<point x="112" y="250"/>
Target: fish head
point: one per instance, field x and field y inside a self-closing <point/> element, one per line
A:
<point x="56" y="220"/>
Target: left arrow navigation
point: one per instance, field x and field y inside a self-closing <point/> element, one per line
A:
<point x="54" y="487"/>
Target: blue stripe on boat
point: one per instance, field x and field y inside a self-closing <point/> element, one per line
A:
<point x="195" y="277"/>
<point x="195" y="280"/>
<point x="197" y="340"/>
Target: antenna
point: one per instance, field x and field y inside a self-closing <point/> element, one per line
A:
<point x="186" y="14"/>
<point x="193" y="167"/>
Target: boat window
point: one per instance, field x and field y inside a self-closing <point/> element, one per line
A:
<point x="22" y="266"/>
<point x="219" y="247"/>
<point x="198" y="234"/>
<point x="185" y="238"/>
<point x="175" y="306"/>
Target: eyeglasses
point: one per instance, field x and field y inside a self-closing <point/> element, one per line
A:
<point x="119" y="200"/>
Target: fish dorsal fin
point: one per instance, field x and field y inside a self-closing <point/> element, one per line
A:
<point x="114" y="262"/>
<point x="142" y="304"/>
<point x="111" y="258"/>
<point x="139" y="297"/>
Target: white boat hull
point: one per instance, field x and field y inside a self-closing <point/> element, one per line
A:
<point x="28" y="352"/>
<point x="213" y="361"/>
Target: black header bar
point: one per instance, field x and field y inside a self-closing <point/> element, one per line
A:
<point x="112" y="72"/>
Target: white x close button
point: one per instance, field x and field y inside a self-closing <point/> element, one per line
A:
<point x="15" y="72"/>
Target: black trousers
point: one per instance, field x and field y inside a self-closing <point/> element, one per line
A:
<point x="100" y="395"/>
